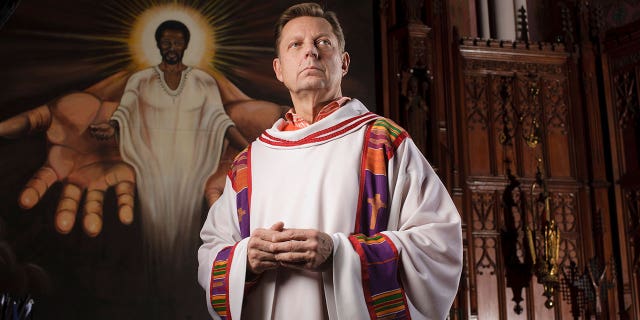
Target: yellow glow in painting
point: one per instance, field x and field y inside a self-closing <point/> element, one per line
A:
<point x="144" y="51"/>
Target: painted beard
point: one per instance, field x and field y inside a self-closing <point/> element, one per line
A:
<point x="172" y="57"/>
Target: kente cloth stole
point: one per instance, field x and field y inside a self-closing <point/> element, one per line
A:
<point x="219" y="287"/>
<point x="379" y="258"/>
<point x="240" y="177"/>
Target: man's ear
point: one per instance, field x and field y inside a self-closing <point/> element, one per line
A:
<point x="277" y="68"/>
<point x="346" y="60"/>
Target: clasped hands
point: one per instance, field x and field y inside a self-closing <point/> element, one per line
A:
<point x="301" y="249"/>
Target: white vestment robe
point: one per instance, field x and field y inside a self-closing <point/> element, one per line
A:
<point x="313" y="178"/>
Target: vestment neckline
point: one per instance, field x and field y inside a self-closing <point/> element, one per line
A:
<point x="351" y="117"/>
<point x="165" y="86"/>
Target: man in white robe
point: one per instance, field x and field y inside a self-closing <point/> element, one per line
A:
<point x="171" y="128"/>
<point x="333" y="213"/>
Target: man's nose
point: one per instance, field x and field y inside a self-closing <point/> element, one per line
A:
<point x="312" y="50"/>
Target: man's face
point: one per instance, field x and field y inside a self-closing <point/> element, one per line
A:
<point x="172" y="46"/>
<point x="309" y="56"/>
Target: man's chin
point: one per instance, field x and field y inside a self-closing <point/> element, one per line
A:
<point x="313" y="80"/>
<point x="312" y="85"/>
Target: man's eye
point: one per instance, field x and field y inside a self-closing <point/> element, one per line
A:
<point x="324" y="42"/>
<point x="294" y="45"/>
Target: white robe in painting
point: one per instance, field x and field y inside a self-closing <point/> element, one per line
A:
<point x="312" y="178"/>
<point x="174" y="140"/>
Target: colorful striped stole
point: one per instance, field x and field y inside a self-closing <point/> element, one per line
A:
<point x="379" y="258"/>
<point x="240" y="176"/>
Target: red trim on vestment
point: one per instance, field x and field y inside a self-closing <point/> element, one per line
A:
<point x="315" y="137"/>
<point x="396" y="143"/>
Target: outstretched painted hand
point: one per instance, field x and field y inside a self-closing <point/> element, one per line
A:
<point x="83" y="152"/>
<point x="82" y="163"/>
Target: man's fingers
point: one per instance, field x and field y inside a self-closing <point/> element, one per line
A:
<point x="34" y="120"/>
<point x="259" y="244"/>
<point x="125" y="194"/>
<point x="293" y="234"/>
<point x="278" y="226"/>
<point x="293" y="257"/>
<point x="15" y="126"/>
<point x="265" y="234"/>
<point x="65" y="216"/>
<point x="92" y="221"/>
<point x="263" y="266"/>
<point x="37" y="186"/>
<point x="292" y="246"/>
<point x="122" y="177"/>
<point x="120" y="172"/>
<point x="258" y="257"/>
<point x="260" y="261"/>
<point x="310" y="255"/>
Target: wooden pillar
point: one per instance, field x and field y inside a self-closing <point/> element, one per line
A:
<point x="504" y="14"/>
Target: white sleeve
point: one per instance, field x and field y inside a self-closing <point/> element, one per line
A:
<point x="428" y="236"/>
<point x="219" y="232"/>
<point x="129" y="100"/>
<point x="425" y="228"/>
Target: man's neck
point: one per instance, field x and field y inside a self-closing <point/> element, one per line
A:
<point x="308" y="104"/>
<point x="172" y="74"/>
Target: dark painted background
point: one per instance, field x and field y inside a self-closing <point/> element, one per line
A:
<point x="48" y="49"/>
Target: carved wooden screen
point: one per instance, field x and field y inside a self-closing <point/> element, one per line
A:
<point x="622" y="88"/>
<point x="510" y="91"/>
